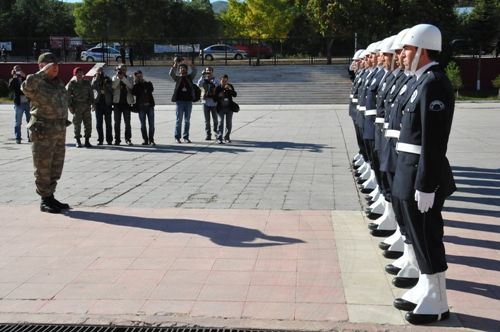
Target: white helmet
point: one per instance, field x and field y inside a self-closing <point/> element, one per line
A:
<point x="423" y="36"/>
<point x="372" y="48"/>
<point x="385" y="45"/>
<point x="396" y="45"/>
<point x="357" y="55"/>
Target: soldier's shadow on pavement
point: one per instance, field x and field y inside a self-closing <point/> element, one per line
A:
<point x="282" y="145"/>
<point x="483" y="184"/>
<point x="477" y="323"/>
<point x="220" y="234"/>
<point x="477" y="262"/>
<point x="179" y="148"/>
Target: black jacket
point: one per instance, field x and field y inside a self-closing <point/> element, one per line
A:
<point x="221" y="93"/>
<point x="15" y="86"/>
<point x="143" y="92"/>
<point x="426" y="122"/>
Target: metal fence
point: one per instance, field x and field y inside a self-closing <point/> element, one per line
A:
<point x="159" y="52"/>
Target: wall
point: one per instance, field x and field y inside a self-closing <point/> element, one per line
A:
<point x="65" y="69"/>
<point x="490" y="69"/>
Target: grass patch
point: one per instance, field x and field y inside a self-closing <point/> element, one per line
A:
<point x="5" y="100"/>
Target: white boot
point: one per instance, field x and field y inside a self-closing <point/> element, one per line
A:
<point x="371" y="182"/>
<point x="356" y="157"/>
<point x="398" y="245"/>
<point x="366" y="173"/>
<point x="403" y="260"/>
<point x="388" y="220"/>
<point x="396" y="237"/>
<point x="432" y="305"/>
<point x="359" y="162"/>
<point x="375" y="192"/>
<point x="364" y="166"/>
<point x="410" y="268"/>
<point x="379" y="206"/>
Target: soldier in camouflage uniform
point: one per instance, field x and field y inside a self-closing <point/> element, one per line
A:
<point x="49" y="118"/>
<point x="81" y="102"/>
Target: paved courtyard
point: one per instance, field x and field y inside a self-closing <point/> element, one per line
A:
<point x="266" y="232"/>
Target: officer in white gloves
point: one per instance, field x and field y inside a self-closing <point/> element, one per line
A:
<point x="423" y="178"/>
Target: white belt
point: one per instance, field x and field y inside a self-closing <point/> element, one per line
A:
<point x="362" y="108"/>
<point x="370" y="112"/>
<point x="350" y="96"/>
<point x="410" y="148"/>
<point x="386" y="125"/>
<point x="379" y="120"/>
<point x="391" y="133"/>
<point x="354" y="100"/>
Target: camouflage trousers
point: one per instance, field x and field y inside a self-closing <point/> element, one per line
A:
<point x="48" y="151"/>
<point x="82" y="114"/>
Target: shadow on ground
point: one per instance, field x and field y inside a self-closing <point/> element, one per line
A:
<point x="221" y="234"/>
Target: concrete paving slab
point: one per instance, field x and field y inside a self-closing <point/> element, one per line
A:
<point x="265" y="233"/>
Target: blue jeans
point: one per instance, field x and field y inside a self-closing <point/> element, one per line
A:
<point x="182" y="110"/>
<point x="149" y="112"/>
<point x="23" y="108"/>
<point x="207" y="111"/>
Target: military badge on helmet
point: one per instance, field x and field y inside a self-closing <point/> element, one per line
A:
<point x="436" y="106"/>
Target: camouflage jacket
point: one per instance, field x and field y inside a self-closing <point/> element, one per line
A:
<point x="79" y="93"/>
<point x="49" y="98"/>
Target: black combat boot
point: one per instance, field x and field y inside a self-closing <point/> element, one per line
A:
<point x="61" y="206"/>
<point x="87" y="142"/>
<point x="78" y="142"/>
<point x="47" y="205"/>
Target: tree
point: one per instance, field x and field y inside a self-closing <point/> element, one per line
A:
<point x="137" y="20"/>
<point x="453" y="72"/>
<point x="258" y="19"/>
<point x="483" y="28"/>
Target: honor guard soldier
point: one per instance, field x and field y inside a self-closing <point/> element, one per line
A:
<point x="423" y="178"/>
<point x="49" y="118"/>
<point x="353" y="98"/>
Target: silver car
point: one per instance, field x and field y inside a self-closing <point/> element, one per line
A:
<point x="102" y="54"/>
<point x="221" y="51"/>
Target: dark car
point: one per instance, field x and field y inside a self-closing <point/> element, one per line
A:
<point x="256" y="50"/>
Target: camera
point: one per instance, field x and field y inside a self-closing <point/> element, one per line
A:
<point x="178" y="59"/>
<point x="119" y="72"/>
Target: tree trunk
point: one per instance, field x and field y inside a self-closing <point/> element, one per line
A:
<point x="329" y="44"/>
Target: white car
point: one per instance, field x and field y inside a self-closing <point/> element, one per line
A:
<point x="102" y="54"/>
<point x="221" y="51"/>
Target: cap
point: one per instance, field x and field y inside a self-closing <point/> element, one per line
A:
<point x="47" y="57"/>
<point x="76" y="70"/>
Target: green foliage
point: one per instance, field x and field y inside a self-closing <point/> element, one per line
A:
<point x="482" y="23"/>
<point x="258" y="19"/>
<point x="35" y="18"/>
<point x="145" y="20"/>
<point x="496" y="82"/>
<point x="453" y="73"/>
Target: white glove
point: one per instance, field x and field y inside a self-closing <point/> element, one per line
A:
<point x="425" y="201"/>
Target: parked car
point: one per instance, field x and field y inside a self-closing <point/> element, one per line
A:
<point x="221" y="51"/>
<point x="256" y="50"/>
<point x="101" y="54"/>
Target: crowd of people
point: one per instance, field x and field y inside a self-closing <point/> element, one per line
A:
<point x="402" y="108"/>
<point x="117" y="97"/>
<point x="45" y="101"/>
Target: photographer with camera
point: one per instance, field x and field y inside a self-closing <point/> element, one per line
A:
<point x="21" y="103"/>
<point x="224" y="95"/>
<point x="145" y="103"/>
<point x="122" y="103"/>
<point x="208" y="83"/>
<point x="103" y="101"/>
<point x="183" y="96"/>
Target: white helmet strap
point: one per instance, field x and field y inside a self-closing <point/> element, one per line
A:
<point x="415" y="61"/>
